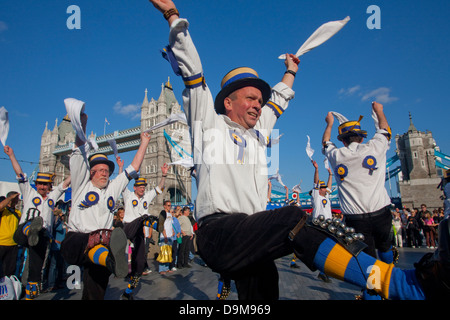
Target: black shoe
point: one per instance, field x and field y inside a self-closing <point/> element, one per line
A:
<point x="126" y="296"/>
<point x="35" y="227"/>
<point x="434" y="277"/>
<point x="324" y="277"/>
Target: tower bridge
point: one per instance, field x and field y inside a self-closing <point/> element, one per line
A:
<point x="57" y="144"/>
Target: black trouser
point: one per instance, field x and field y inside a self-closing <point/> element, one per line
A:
<point x="135" y="233"/>
<point x="376" y="228"/>
<point x="95" y="277"/>
<point x="243" y="247"/>
<point x="36" y="254"/>
<point x="8" y="260"/>
<point x="183" y="251"/>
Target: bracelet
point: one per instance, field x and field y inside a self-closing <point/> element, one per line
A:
<point x="291" y="72"/>
<point x="172" y="11"/>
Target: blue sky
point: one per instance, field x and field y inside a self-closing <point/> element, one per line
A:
<point x="114" y="57"/>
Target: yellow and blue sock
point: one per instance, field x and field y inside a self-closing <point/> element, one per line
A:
<point x="150" y="224"/>
<point x="26" y="228"/>
<point x="367" y="272"/>
<point x="31" y="290"/>
<point x="98" y="254"/>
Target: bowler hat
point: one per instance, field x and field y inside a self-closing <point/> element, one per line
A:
<point x="239" y="78"/>
<point x="99" y="158"/>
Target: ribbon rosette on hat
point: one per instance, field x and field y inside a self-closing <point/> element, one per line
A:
<point x="341" y="171"/>
<point x="370" y="163"/>
<point x="36" y="201"/>
<point x="134" y="203"/>
<point x="90" y="199"/>
<point x="241" y="143"/>
<point x="111" y="203"/>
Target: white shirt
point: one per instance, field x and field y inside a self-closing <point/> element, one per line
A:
<point x="136" y="207"/>
<point x="87" y="216"/>
<point x="362" y="190"/>
<point x="32" y="199"/>
<point x="321" y="205"/>
<point x="224" y="184"/>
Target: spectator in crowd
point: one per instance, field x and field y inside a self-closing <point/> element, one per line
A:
<point x="412" y="230"/>
<point x="187" y="236"/>
<point x="429" y="230"/>
<point x="9" y="220"/>
<point x="397" y="226"/>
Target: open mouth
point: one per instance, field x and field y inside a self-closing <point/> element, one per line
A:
<point x="253" y="114"/>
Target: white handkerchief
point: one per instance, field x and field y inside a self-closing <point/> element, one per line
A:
<point x="113" y="145"/>
<point x="4" y="125"/>
<point x="276" y="140"/>
<point x="326" y="164"/>
<point x="339" y="117"/>
<point x="322" y="34"/>
<point x="309" y="150"/>
<point x="277" y="177"/>
<point x="174" y="117"/>
<point x="74" y="109"/>
<point x="297" y="188"/>
<point x="185" y="162"/>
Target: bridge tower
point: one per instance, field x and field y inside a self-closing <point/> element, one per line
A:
<point x="56" y="146"/>
<point x="419" y="176"/>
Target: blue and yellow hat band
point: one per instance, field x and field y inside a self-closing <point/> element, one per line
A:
<point x="237" y="74"/>
<point x="349" y="126"/>
<point x="98" y="156"/>
<point x="44" y="177"/>
<point x="140" y="182"/>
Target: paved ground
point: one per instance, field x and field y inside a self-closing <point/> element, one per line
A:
<point x="200" y="283"/>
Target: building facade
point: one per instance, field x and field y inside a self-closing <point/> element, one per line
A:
<point x="419" y="175"/>
<point x="57" y="143"/>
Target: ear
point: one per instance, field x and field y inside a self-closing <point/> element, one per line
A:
<point x="227" y="102"/>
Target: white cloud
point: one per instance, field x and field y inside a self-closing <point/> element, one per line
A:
<point x="381" y="95"/>
<point x="3" y="26"/>
<point x="132" y="111"/>
<point x="350" y="91"/>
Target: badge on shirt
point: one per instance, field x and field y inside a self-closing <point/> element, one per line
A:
<point x="36" y="201"/>
<point x="370" y="163"/>
<point x="324" y="202"/>
<point x="134" y="203"/>
<point x="51" y="203"/>
<point x="241" y="143"/>
<point x="111" y="203"/>
<point x="341" y="171"/>
<point x="90" y="199"/>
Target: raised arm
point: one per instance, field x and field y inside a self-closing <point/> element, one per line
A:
<point x="164" y="170"/>
<point x="167" y="8"/>
<point x="291" y="62"/>
<point x="329" y="119"/>
<point x="16" y="166"/>
<point x="139" y="157"/>
<point x="120" y="164"/>
<point x="330" y="179"/>
<point x="5" y="203"/>
<point x="382" y="121"/>
<point x="83" y="119"/>
<point x="316" y="172"/>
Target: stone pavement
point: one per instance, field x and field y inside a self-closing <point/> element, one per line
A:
<point x="200" y="283"/>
